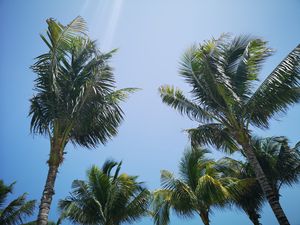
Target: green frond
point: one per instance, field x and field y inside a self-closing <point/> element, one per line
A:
<point x="121" y="94"/>
<point x="175" y="98"/>
<point x="16" y="210"/>
<point x="4" y="191"/>
<point x="106" y="198"/>
<point x="161" y="207"/>
<point x="248" y="66"/>
<point x="277" y="92"/>
<point x="211" y="191"/>
<point x="192" y="163"/>
<point x="214" y="134"/>
<point x="197" y="70"/>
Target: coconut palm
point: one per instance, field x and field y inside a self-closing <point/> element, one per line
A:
<point x="201" y="186"/>
<point x="75" y="98"/>
<point x="106" y="198"/>
<point x="225" y="98"/>
<point x="280" y="163"/>
<point x="15" y="211"/>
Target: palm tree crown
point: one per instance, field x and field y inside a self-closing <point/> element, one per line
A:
<point x="76" y="98"/>
<point x="279" y="161"/>
<point x="106" y="198"/>
<point x="223" y="74"/>
<point x="15" y="211"/>
<point x="201" y="186"/>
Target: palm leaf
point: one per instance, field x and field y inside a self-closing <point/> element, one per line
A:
<point x="17" y="210"/>
<point x="175" y="98"/>
<point x="277" y="92"/>
<point x="214" y="134"/>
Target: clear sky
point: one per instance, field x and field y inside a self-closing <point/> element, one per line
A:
<point x="151" y="36"/>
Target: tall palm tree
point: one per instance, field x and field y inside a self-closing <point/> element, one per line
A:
<point x="15" y="211"/>
<point x="223" y="74"/>
<point x="201" y="186"/>
<point x="106" y="198"/>
<point x="75" y="98"/>
<point x="279" y="161"/>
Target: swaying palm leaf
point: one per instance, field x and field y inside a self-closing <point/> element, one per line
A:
<point x="15" y="211"/>
<point x="277" y="92"/>
<point x="214" y="134"/>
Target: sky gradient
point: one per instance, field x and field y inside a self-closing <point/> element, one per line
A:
<point x="150" y="36"/>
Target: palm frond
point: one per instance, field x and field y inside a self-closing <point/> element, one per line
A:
<point x="106" y="198"/>
<point x="211" y="191"/>
<point x="277" y="92"/>
<point x="193" y="70"/>
<point x="191" y="164"/>
<point x="18" y="209"/>
<point x="247" y="66"/>
<point x="175" y="98"/>
<point x="214" y="134"/>
<point x="4" y="191"/>
<point x="161" y="206"/>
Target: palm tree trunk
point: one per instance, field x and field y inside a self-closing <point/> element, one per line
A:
<point x="254" y="217"/>
<point x="47" y="196"/>
<point x="204" y="217"/>
<point x="263" y="181"/>
<point x="54" y="161"/>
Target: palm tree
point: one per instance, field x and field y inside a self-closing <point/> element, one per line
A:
<point x="106" y="198"/>
<point x="201" y="186"/>
<point x="75" y="98"/>
<point x="15" y="211"/>
<point x="223" y="74"/>
<point x="279" y="161"/>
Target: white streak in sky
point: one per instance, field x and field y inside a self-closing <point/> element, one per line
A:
<point x="112" y="23"/>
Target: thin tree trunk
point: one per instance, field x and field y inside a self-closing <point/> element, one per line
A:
<point x="204" y="217"/>
<point x="263" y="181"/>
<point x="47" y="196"/>
<point x="56" y="158"/>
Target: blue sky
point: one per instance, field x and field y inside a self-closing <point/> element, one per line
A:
<point x="151" y="37"/>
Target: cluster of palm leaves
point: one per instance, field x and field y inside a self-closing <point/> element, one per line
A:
<point x="76" y="101"/>
<point x="15" y="211"/>
<point x="106" y="198"/>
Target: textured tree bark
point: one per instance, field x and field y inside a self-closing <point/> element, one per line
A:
<point x="47" y="196"/>
<point x="263" y="181"/>
<point x="55" y="159"/>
